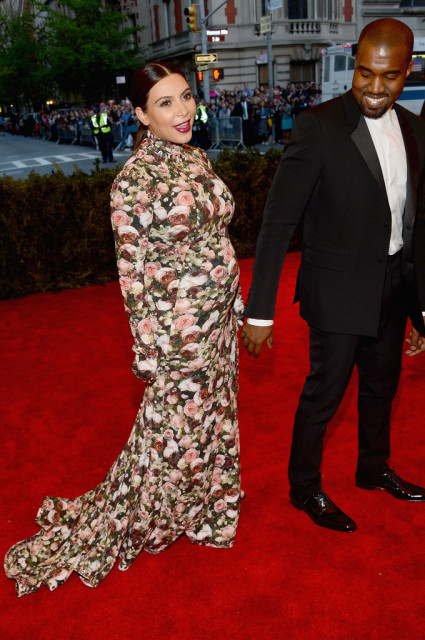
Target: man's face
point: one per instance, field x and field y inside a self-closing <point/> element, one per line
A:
<point x="379" y="76"/>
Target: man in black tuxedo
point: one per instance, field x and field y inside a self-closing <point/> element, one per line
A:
<point x="243" y="109"/>
<point x="355" y="167"/>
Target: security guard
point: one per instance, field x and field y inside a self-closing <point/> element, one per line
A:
<point x="102" y="129"/>
<point x="200" y="130"/>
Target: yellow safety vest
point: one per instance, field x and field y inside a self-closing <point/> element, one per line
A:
<point x="103" y="122"/>
<point x="201" y="113"/>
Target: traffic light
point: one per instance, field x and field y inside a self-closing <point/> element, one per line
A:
<point x="191" y="13"/>
<point x="218" y="74"/>
<point x="200" y="76"/>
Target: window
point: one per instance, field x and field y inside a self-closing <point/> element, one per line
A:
<point x="418" y="70"/>
<point x="302" y="9"/>
<point x="260" y="9"/>
<point x="340" y="63"/>
<point x="327" y="68"/>
<point x="330" y="10"/>
<point x="412" y="3"/>
<point x="167" y="19"/>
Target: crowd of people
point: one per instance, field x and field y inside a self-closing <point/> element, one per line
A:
<point x="264" y="120"/>
<point x="38" y="123"/>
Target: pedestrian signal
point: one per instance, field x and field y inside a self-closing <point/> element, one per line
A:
<point x="218" y="74"/>
<point x="191" y="19"/>
<point x="200" y="76"/>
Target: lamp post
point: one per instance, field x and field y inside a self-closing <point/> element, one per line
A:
<point x="204" y="46"/>
<point x="270" y="55"/>
<point x="204" y="42"/>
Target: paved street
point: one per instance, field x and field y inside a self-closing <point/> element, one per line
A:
<point x="19" y="156"/>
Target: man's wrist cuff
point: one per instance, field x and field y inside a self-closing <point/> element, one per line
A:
<point x="259" y="323"/>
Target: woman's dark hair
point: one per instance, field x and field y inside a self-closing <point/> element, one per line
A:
<point x="142" y="82"/>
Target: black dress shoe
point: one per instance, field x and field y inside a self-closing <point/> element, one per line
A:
<point x="391" y="482"/>
<point x="320" y="508"/>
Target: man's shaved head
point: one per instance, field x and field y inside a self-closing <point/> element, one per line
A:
<point x="383" y="62"/>
<point x="388" y="33"/>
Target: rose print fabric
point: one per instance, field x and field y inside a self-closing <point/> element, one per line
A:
<point x="179" y="471"/>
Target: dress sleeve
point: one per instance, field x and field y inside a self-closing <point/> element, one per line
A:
<point x="131" y="216"/>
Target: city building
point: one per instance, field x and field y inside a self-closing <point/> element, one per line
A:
<point x="412" y="12"/>
<point x="300" y="31"/>
<point x="14" y="7"/>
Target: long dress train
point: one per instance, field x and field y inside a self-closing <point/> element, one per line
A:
<point x="179" y="471"/>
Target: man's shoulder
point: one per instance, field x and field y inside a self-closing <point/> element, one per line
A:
<point x="329" y="114"/>
<point x="329" y="108"/>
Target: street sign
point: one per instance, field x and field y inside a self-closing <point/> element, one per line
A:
<point x="205" y="58"/>
<point x="217" y="32"/>
<point x="202" y="67"/>
<point x="265" y="24"/>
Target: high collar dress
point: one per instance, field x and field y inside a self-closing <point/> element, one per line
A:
<point x="179" y="471"/>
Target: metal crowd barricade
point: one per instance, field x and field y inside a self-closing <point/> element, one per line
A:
<point x="125" y="133"/>
<point x="85" y="135"/>
<point x="67" y="132"/>
<point x="44" y="130"/>
<point x="81" y="133"/>
<point x="225" y="131"/>
<point x="117" y="132"/>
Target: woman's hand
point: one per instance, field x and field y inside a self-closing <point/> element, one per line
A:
<point x="253" y="338"/>
<point x="416" y="342"/>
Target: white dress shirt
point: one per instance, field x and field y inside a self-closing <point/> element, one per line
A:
<point x="389" y="145"/>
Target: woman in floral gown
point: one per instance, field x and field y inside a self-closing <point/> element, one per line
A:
<point x="179" y="471"/>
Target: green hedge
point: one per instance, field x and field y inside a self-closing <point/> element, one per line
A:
<point x="249" y="175"/>
<point x="56" y="230"/>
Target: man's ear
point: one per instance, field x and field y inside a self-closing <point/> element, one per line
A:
<point x="142" y="116"/>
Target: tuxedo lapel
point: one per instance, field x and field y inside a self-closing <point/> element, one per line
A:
<point x="364" y="143"/>
<point x="412" y="156"/>
<point x="362" y="139"/>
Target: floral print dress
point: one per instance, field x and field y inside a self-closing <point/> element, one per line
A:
<point x="179" y="471"/>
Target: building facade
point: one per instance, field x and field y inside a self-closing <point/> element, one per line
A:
<point x="301" y="29"/>
<point x="412" y="12"/>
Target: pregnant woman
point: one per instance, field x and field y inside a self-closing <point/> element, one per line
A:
<point x="179" y="471"/>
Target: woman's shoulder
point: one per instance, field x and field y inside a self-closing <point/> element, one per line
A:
<point x="146" y="155"/>
<point x="197" y="155"/>
<point x="152" y="155"/>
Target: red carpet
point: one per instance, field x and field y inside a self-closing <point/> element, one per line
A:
<point x="69" y="402"/>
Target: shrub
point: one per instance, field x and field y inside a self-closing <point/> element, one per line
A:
<point x="56" y="230"/>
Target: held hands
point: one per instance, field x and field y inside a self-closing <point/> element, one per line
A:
<point x="253" y="338"/>
<point x="416" y="342"/>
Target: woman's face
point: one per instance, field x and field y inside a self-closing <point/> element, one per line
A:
<point x="170" y="109"/>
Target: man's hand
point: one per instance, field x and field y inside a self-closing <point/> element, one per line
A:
<point x="416" y="342"/>
<point x="253" y="338"/>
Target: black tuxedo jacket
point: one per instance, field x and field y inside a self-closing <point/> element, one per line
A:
<point x="330" y="172"/>
<point x="238" y="109"/>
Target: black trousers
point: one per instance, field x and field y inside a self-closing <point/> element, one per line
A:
<point x="105" y="145"/>
<point x="332" y="359"/>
